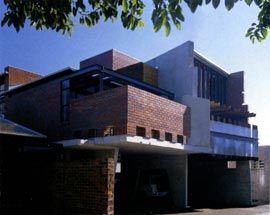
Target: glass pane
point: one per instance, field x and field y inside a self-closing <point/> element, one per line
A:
<point x="65" y="84"/>
<point x="65" y="97"/>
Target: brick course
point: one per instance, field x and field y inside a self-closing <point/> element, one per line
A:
<point x="85" y="186"/>
<point x="18" y="76"/>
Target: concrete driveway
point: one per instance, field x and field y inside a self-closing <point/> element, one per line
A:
<point x="258" y="210"/>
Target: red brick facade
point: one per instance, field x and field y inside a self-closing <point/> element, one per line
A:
<point x="18" y="76"/>
<point x="122" y="108"/>
<point x="124" y="64"/>
<point x="126" y="108"/>
<point x="85" y="187"/>
<point x="111" y="59"/>
<point x="100" y="110"/>
<point x="158" y="113"/>
<point x="37" y="108"/>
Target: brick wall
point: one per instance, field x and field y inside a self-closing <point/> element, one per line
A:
<point x="125" y="64"/>
<point x="141" y="72"/>
<point x="85" y="187"/>
<point x="121" y="60"/>
<point x="155" y="112"/>
<point x="124" y="108"/>
<point x="18" y="76"/>
<point x="111" y="59"/>
<point x="127" y="107"/>
<point x="99" y="111"/>
<point x="38" y="108"/>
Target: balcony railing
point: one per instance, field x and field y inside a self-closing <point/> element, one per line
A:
<point x="236" y="130"/>
<point x="233" y="140"/>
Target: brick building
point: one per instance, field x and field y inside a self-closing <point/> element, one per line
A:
<point x="124" y="134"/>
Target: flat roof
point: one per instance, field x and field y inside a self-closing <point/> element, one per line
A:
<point x="70" y="73"/>
<point x="210" y="63"/>
<point x="42" y="79"/>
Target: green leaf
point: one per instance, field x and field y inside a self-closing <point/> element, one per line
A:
<point x="167" y="28"/>
<point x="258" y="2"/>
<point x="88" y="21"/>
<point x="215" y="3"/>
<point x="177" y="24"/>
<point x="74" y="11"/>
<point x="141" y="23"/>
<point x="229" y="4"/>
<point x="207" y="1"/>
<point x="178" y="14"/>
<point x="248" y="2"/>
<point x="193" y="4"/>
<point x="158" y="24"/>
<point x="5" y="19"/>
<point x="124" y="6"/>
<point x="82" y="20"/>
<point x="264" y="32"/>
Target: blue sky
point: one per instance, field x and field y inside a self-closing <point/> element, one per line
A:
<point x="219" y="35"/>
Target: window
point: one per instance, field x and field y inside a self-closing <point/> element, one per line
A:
<point x="180" y="139"/>
<point x="168" y="136"/>
<point x="211" y="83"/>
<point x="155" y="134"/>
<point x="109" y="131"/>
<point x="231" y="164"/>
<point x="65" y="100"/>
<point x="140" y="131"/>
<point x="255" y="165"/>
<point x="2" y="87"/>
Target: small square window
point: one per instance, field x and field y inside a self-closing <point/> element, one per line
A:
<point x="155" y="134"/>
<point x="231" y="164"/>
<point x="180" y="139"/>
<point x="109" y="131"/>
<point x="168" y="136"/>
<point x="140" y="131"/>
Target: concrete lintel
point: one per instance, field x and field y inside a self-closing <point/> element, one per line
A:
<point x="136" y="144"/>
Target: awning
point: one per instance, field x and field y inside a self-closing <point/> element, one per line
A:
<point x="8" y="127"/>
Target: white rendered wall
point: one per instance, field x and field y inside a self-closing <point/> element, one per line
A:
<point x="176" y="71"/>
<point x="200" y="120"/>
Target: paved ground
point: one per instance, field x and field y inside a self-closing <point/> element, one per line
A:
<point x="258" y="210"/>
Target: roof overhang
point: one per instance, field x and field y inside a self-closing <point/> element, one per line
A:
<point x="135" y="144"/>
<point x="8" y="127"/>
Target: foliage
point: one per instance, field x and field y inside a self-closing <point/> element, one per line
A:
<point x="61" y="15"/>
